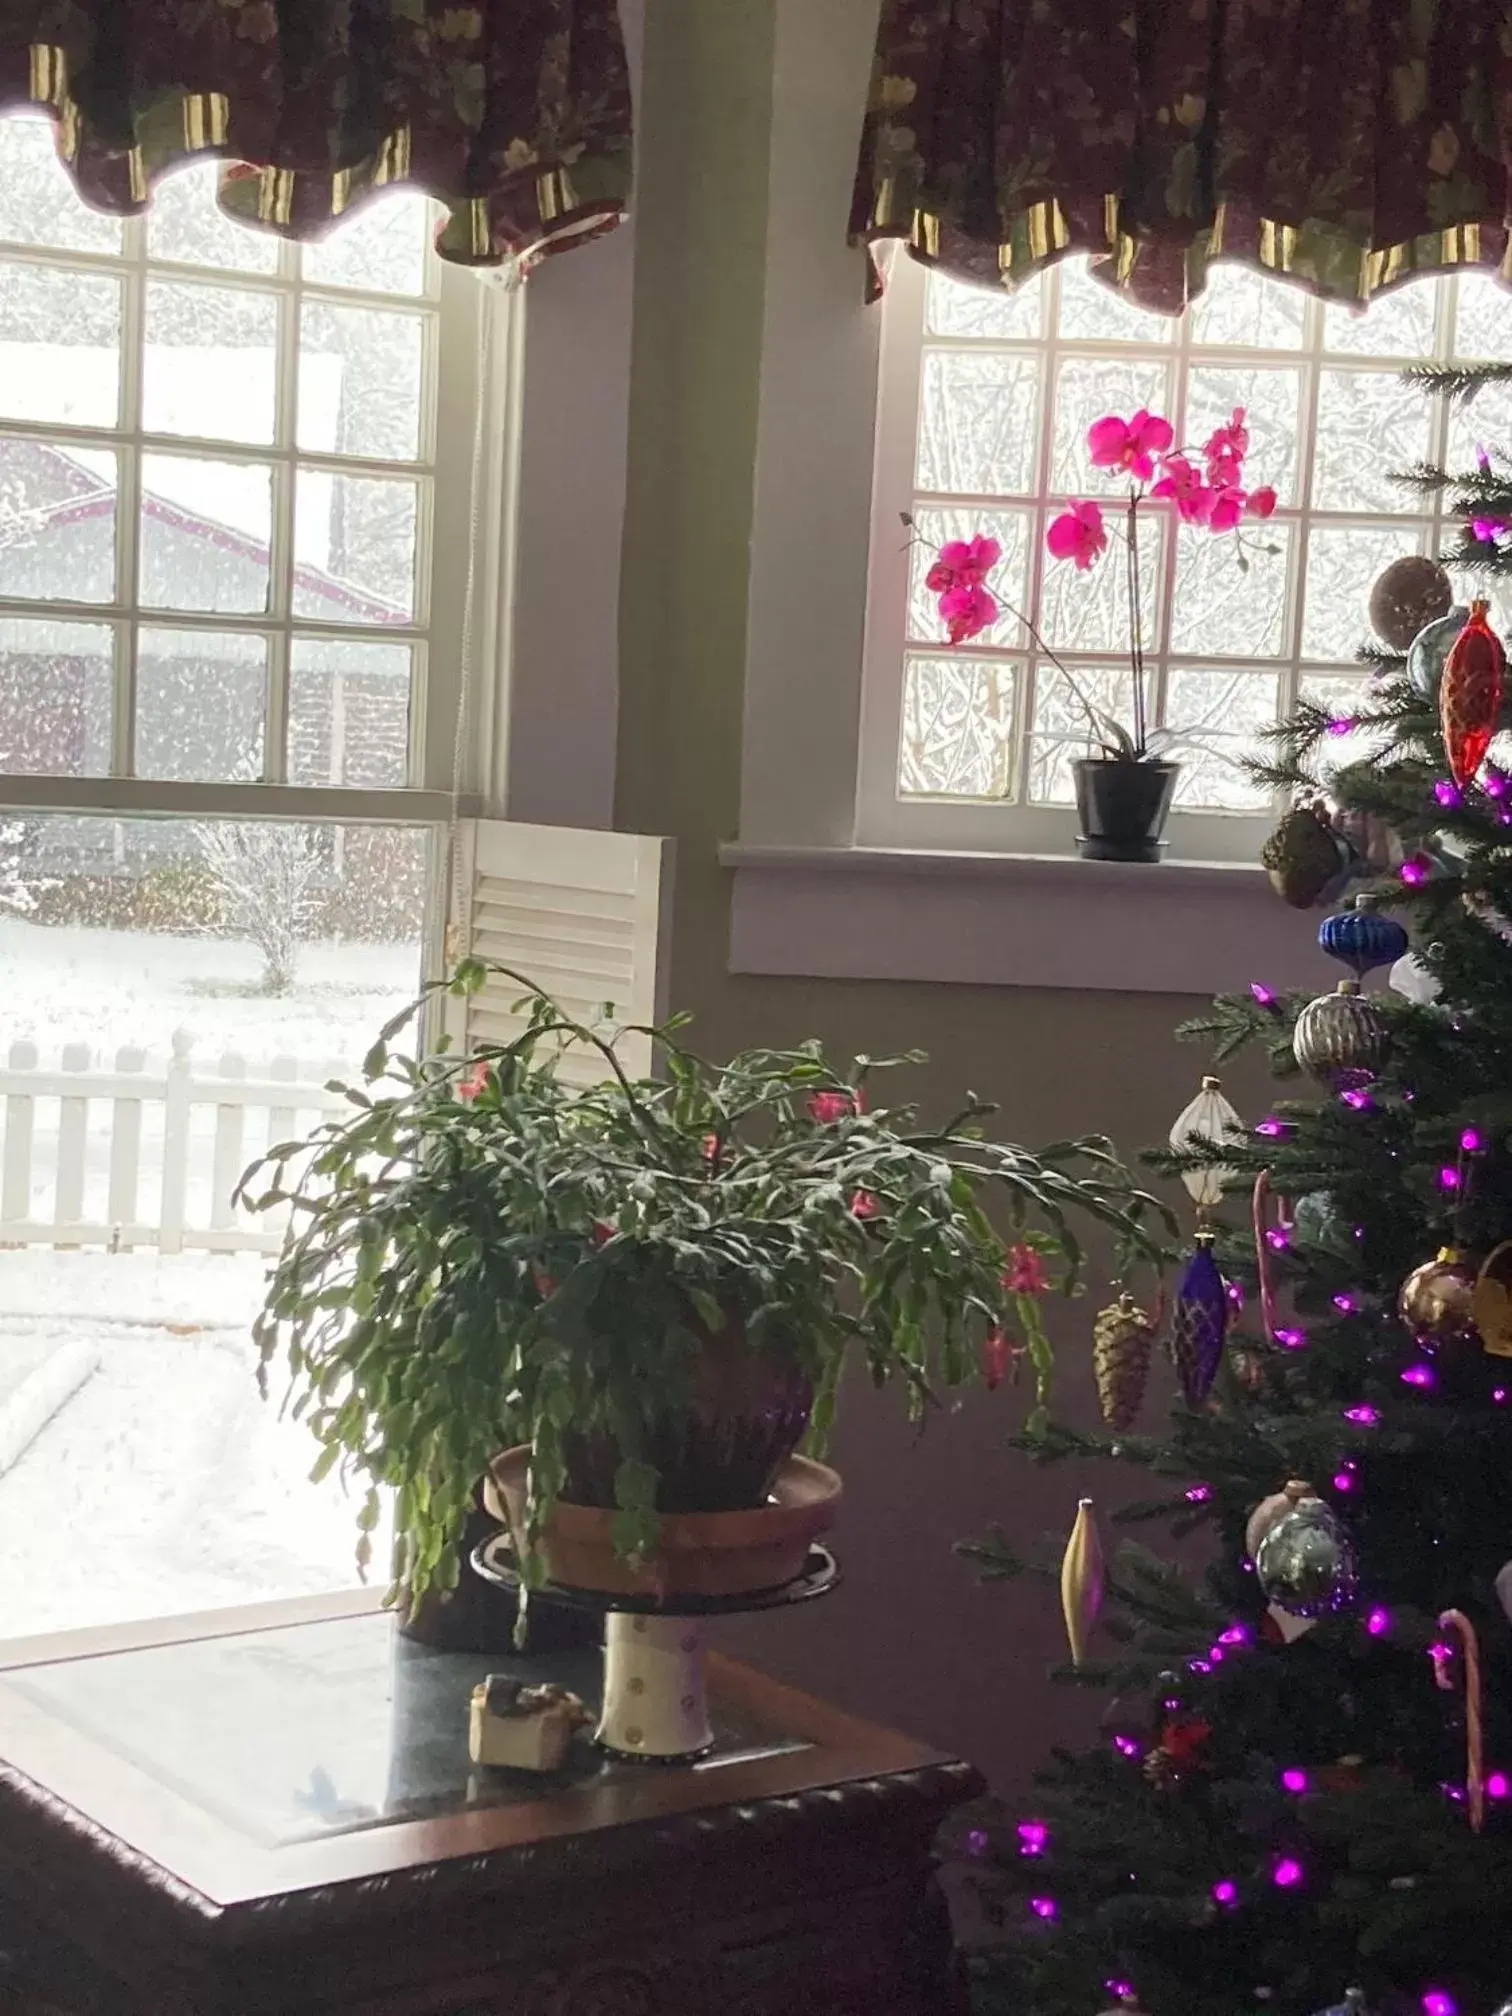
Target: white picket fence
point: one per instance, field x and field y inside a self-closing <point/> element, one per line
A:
<point x="124" y="1157"/>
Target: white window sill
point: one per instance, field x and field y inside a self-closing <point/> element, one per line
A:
<point x="993" y="920"/>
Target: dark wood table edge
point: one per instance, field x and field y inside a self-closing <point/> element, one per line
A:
<point x="458" y="1857"/>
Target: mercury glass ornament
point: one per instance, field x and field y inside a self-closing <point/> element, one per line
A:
<point x="1209" y="1118"/>
<point x="1317" y="1221"/>
<point x="1341" y="1038"/>
<point x="1429" y="651"/>
<point x="1410" y="592"/>
<point x="1437" y="1300"/>
<point x="1305" y="1564"/>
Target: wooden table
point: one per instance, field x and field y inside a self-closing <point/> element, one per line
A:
<point x="270" y="1812"/>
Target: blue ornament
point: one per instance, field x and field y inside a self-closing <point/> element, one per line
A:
<point x="1362" y="938"/>
<point x="1199" y="1322"/>
<point x="1429" y="652"/>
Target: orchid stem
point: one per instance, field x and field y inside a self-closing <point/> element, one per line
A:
<point x="1060" y="665"/>
<point x="1136" y="625"/>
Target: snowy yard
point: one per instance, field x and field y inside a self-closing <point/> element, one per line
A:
<point x="164" y="1483"/>
<point x="72" y="984"/>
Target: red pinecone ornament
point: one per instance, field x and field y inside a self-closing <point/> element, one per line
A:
<point x="1470" y="695"/>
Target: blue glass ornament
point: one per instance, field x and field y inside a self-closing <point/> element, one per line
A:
<point x="1199" y="1322"/>
<point x="1362" y="938"/>
<point x="1429" y="652"/>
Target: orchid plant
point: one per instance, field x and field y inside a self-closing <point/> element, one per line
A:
<point x="1205" y="487"/>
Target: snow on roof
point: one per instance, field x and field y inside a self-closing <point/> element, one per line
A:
<point x="84" y="496"/>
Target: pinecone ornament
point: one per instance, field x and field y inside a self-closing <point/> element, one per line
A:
<point x="1123" y="1338"/>
<point x="1306" y="858"/>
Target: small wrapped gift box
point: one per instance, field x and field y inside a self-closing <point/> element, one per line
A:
<point x="523" y="1728"/>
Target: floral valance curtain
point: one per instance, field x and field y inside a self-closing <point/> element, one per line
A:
<point x="1347" y="143"/>
<point x="514" y="113"/>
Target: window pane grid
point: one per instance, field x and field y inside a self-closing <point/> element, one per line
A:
<point x="266" y="490"/>
<point x="1006" y="389"/>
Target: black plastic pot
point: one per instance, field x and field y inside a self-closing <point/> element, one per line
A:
<point x="1122" y="807"/>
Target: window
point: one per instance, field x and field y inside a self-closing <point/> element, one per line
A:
<point x="985" y="404"/>
<point x="236" y="506"/>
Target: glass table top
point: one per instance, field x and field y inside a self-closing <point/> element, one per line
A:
<point x="315" y="1730"/>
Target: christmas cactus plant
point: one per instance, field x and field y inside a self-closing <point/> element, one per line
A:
<point x="483" y="1255"/>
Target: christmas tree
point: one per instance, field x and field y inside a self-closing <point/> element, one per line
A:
<point x="1303" y="1796"/>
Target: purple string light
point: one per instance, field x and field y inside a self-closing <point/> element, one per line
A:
<point x="1033" y="1836"/>
<point x="1044" y="1907"/>
<point x="1437" y="2003"/>
<point x="1498" y="1785"/>
<point x="1347" y="1305"/>
<point x="1449" y="1177"/>
<point x="1421" y="1376"/>
<point x="1124" y="1991"/>
<point x="1264" y="996"/>
<point x="1199" y="1494"/>
<point x="1343" y="1481"/>
<point x="1342" y="724"/>
<point x="1288" y="1873"/>
<point x="1363" y="1416"/>
<point x="1499" y="1395"/>
<point x="1414" y="873"/>
<point x="1273" y="1127"/>
<point x="1225" y="1892"/>
<point x="976" y="1841"/>
<point x="1358" y="1099"/>
<point x="1378" y="1622"/>
<point x="1294" y="1779"/>
<point x="1128" y="1746"/>
<point x="1471" y="1142"/>
<point x="1292" y="1340"/>
<point x="1236" y="1634"/>
<point x="1448" y="793"/>
<point x="1277" y="1238"/>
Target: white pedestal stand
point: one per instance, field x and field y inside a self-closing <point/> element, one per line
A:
<point x="656" y="1704"/>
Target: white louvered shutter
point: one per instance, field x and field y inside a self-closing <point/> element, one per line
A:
<point x="580" y="913"/>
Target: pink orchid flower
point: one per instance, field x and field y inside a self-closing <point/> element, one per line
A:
<point x="865" y="1204"/>
<point x="967" y="610"/>
<point x="1183" y="484"/>
<point x="1229" y="443"/>
<point x="1078" y="534"/>
<point x="474" y="1080"/>
<point x="1025" y="1273"/>
<point x="1228" y="509"/>
<point x="1129" y="444"/>
<point x="1261" y="502"/>
<point x="963" y="563"/>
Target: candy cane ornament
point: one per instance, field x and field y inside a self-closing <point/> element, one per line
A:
<point x="1475" y="1774"/>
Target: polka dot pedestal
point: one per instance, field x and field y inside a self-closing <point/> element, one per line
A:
<point x="656" y="1704"/>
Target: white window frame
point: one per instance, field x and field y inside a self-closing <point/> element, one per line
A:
<point x="470" y="362"/>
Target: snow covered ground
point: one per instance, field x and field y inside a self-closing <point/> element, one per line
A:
<point x="75" y="984"/>
<point x="164" y="1484"/>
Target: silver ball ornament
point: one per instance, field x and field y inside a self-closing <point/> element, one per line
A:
<point x="1341" y="1038"/>
<point x="1305" y="1563"/>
